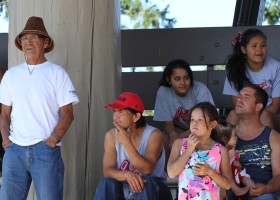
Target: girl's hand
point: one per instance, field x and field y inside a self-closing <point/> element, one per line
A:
<point x="202" y="169"/>
<point x="192" y="142"/>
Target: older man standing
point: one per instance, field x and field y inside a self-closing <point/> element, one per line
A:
<point x="258" y="145"/>
<point x="37" y="100"/>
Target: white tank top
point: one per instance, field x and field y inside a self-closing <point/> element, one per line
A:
<point x="124" y="162"/>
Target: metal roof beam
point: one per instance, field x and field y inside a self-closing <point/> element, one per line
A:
<point x="248" y="12"/>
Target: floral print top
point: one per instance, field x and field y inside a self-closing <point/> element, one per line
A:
<point x="196" y="187"/>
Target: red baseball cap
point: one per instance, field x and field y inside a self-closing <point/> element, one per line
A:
<point x="127" y="100"/>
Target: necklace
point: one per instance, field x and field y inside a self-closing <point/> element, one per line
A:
<point x="30" y="70"/>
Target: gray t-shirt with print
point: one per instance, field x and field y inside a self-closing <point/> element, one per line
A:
<point x="171" y="107"/>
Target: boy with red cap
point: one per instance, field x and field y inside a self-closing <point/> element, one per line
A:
<point x="134" y="157"/>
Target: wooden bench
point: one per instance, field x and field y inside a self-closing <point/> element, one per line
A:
<point x="145" y="84"/>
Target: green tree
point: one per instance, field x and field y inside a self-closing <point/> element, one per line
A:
<point x="142" y="14"/>
<point x="4" y="6"/>
<point x="272" y="11"/>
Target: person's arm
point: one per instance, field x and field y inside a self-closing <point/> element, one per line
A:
<point x="152" y="154"/>
<point x="273" y="184"/>
<point x="110" y="157"/>
<point x="66" y="118"/>
<point x="174" y="133"/>
<point x="224" y="178"/>
<point x="144" y="163"/>
<point x="177" y="162"/>
<point x="2" y="72"/>
<point x="5" y="124"/>
<point x="274" y="107"/>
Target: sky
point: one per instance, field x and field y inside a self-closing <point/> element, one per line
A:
<point x="196" y="13"/>
<point x="201" y="13"/>
<point x="189" y="13"/>
<point x="4" y="25"/>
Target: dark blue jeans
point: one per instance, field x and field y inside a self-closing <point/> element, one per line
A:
<point x="112" y="189"/>
<point x="38" y="162"/>
<point x="270" y="196"/>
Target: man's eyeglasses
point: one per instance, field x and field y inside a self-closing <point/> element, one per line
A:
<point x="34" y="38"/>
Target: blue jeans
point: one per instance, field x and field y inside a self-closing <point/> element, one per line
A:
<point x="269" y="196"/>
<point x="112" y="189"/>
<point x="38" y="162"/>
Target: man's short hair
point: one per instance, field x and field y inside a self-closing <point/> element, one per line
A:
<point x="260" y="94"/>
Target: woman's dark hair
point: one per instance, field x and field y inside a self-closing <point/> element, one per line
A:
<point x="168" y="71"/>
<point x="223" y="132"/>
<point x="236" y="66"/>
<point x="208" y="109"/>
<point x="141" y="121"/>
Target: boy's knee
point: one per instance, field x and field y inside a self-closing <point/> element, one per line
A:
<point x="110" y="181"/>
<point x="107" y="188"/>
<point x="149" y="178"/>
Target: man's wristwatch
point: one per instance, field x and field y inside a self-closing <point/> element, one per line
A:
<point x="56" y="137"/>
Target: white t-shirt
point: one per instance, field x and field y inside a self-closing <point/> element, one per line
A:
<point x="169" y="106"/>
<point x="35" y="100"/>
<point x="268" y="78"/>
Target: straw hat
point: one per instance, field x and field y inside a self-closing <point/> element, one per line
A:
<point x="35" y="25"/>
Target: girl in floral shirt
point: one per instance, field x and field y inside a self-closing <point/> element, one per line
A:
<point x="201" y="163"/>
